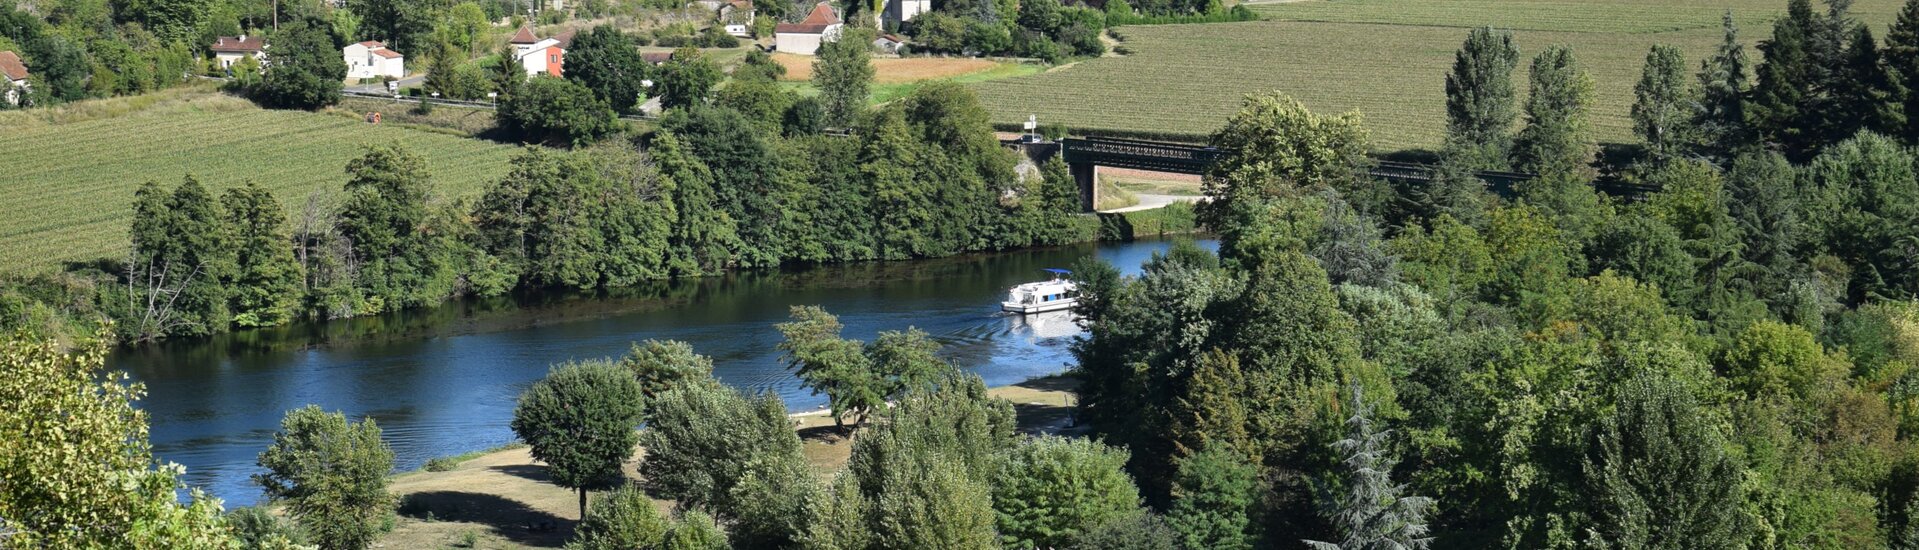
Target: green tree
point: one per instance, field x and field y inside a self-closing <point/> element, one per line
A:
<point x="856" y="377"/>
<point x="1214" y="494"/>
<point x="607" y="61"/>
<point x="169" y="20"/>
<point x="1558" y="138"/>
<point x="1661" y="112"/>
<point x="1902" y="61"/>
<point x="703" y="439"/>
<point x="622" y="519"/>
<point x="331" y="475"/>
<point x="466" y="24"/>
<point x="1658" y="475"/>
<point x="1365" y="507"/>
<point x="307" y="68"/>
<point x="579" y="420"/>
<point x="1278" y="145"/>
<point x="705" y="239"/>
<point x="1050" y="490"/>
<point x="1146" y="531"/>
<point x="1865" y="208"/>
<point x="686" y="79"/>
<point x="924" y="471"/>
<point x="843" y="73"/>
<point x="696" y="531"/>
<point x="1763" y="200"/>
<point x="78" y="471"/>
<point x="181" y="261"/>
<point x="1480" y="106"/>
<point x="661" y="365"/>
<point x="1788" y="80"/>
<point x="556" y="111"/>
<point x="266" y="284"/>
<point x="385" y="218"/>
<point x="1720" y="115"/>
<point x="1864" y="94"/>
<point x="505" y="72"/>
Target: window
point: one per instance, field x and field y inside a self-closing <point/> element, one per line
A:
<point x="552" y="58"/>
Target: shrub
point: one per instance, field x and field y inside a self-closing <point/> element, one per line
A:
<point x="442" y="464"/>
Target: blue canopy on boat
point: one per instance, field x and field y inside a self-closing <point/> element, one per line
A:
<point x="1057" y="271"/>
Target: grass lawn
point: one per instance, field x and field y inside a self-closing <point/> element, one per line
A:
<point x="894" y="78"/>
<point x="70" y="171"/>
<point x="1387" y="59"/>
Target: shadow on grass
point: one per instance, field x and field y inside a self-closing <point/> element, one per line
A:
<point x="508" y="518"/>
<point x="1051" y="383"/>
<point x="1044" y="419"/>
<point x="524" y="471"/>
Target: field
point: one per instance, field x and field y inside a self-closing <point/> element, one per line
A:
<point x="896" y="77"/>
<point x="1386" y="58"/>
<point x="69" y="173"/>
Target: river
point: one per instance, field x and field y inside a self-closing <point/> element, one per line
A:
<point x="443" y="381"/>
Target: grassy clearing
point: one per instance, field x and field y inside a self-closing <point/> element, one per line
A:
<point x="1386" y="58"/>
<point x="70" y="172"/>
<point x="894" y="78"/>
<point x="1151" y="183"/>
<point x="1112" y="197"/>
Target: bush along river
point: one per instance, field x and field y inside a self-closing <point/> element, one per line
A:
<point x="444" y="381"/>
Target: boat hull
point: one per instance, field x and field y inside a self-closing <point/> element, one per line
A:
<point x="1028" y="309"/>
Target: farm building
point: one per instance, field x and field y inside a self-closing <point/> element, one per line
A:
<point x="822" y="25"/>
<point x="737" y="16"/>
<point x="541" y="55"/>
<point x="889" y="43"/>
<point x="372" y="59"/>
<point x="900" y="11"/>
<point x="15" y="73"/>
<point x="231" y="49"/>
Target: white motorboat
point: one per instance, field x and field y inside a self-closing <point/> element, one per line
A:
<point x="1054" y="295"/>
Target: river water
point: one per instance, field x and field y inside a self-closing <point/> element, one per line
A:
<point x="443" y="381"/>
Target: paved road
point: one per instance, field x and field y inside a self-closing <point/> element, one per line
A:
<point x="380" y="87"/>
<point x="1149" y="202"/>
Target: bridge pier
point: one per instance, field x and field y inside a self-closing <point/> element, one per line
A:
<point x="1086" y="174"/>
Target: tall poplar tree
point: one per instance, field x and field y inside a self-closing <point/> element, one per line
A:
<point x="844" y="71"/>
<point x="1660" y="113"/>
<point x="1558" y="136"/>
<point x="1479" y="100"/>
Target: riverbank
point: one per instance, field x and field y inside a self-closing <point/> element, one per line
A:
<point x="502" y="499"/>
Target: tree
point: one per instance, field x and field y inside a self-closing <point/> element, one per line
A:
<point x="1364" y="505"/>
<point x="607" y="61"/>
<point x="923" y="473"/>
<point x="579" y="420"/>
<point x="331" y="474"/>
<point x="1213" y="498"/>
<point x="449" y="74"/>
<point x="307" y="69"/>
<point x="702" y="439"/>
<point x="1864" y="94"/>
<point x="506" y="73"/>
<point x="661" y="365"/>
<point x="696" y="531"/>
<point x="855" y="376"/>
<point x="385" y="219"/>
<point x="621" y="520"/>
<point x="169" y="20"/>
<point x="686" y="78"/>
<point x="705" y="239"/>
<point x="1658" y="474"/>
<point x="1050" y="490"/>
<point x="180" y="262"/>
<point x="1276" y="146"/>
<point x="405" y="25"/>
<point x="1720" y="117"/>
<point x="1479" y="100"/>
<point x="266" y="284"/>
<point x="1788" y="82"/>
<point x="556" y="111"/>
<point x="78" y="471"/>
<point x="1146" y="531"/>
<point x="1662" y="109"/>
<point x="1902" y="61"/>
<point x="465" y="24"/>
<point x="1558" y="138"/>
<point x="843" y="72"/>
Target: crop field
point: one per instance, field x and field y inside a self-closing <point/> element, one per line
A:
<point x="1385" y="58"/>
<point x="894" y="78"/>
<point x="69" y="184"/>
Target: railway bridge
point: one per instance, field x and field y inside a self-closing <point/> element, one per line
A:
<point x="1084" y="156"/>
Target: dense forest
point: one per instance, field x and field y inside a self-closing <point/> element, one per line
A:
<point x="1723" y="362"/>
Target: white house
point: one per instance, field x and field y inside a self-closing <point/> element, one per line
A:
<point x="372" y="59"/>
<point x="230" y="49"/>
<point x="899" y="11"/>
<point x="822" y="25"/>
<point x="13" y="77"/>
<point x="737" y="16"/>
<point x="541" y="55"/>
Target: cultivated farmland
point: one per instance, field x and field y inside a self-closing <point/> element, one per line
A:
<point x="69" y="184"/>
<point x="1386" y="58"/>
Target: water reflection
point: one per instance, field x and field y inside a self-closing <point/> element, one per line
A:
<point x="443" y="381"/>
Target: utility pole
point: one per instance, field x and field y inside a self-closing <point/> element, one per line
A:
<point x="276" y="15"/>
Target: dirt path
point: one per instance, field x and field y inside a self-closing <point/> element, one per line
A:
<point x="504" y="500"/>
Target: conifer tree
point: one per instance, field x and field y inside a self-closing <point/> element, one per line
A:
<point x="1364" y="505"/>
<point x="1479" y="100"/>
<point x="1864" y="97"/>
<point x="1659" y="476"/>
<point x="1720" y="118"/>
<point x="1787" y="81"/>
<point x="1558" y="136"/>
<point x="1660" y="113"/>
<point x="1901" y="54"/>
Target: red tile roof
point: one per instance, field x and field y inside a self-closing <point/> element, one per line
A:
<point x="11" y="66"/>
<point x="373" y="44"/>
<point x="386" y="53"/>
<point x="239" y="44"/>
<point x="525" y="36"/>
<point x="656" y="58"/>
<point x="816" y="21"/>
<point x="566" y="38"/>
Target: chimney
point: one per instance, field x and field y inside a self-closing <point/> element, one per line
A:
<point x="243" y="38"/>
